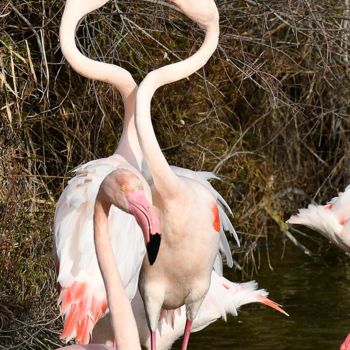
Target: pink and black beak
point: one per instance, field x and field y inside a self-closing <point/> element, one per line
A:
<point x="147" y="219"/>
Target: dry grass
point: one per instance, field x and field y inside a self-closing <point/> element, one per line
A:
<point x="269" y="114"/>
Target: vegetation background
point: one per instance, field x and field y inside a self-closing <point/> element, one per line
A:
<point x="269" y="114"/>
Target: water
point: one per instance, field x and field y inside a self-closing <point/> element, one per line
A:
<point x="315" y="291"/>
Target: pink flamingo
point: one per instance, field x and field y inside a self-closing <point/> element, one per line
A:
<point x="332" y="221"/>
<point x="114" y="190"/>
<point x="82" y="294"/>
<point x="190" y="210"/>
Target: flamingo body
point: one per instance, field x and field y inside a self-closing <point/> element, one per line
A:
<point x="331" y="220"/>
<point x="82" y="293"/>
<point x="223" y="298"/>
<point x="221" y="222"/>
<point x="181" y="275"/>
<point x="118" y="188"/>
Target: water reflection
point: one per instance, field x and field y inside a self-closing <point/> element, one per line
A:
<point x="314" y="291"/>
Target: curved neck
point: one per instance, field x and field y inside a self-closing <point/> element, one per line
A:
<point x="165" y="181"/>
<point x="129" y="146"/>
<point x="120" y="78"/>
<point x="123" y="321"/>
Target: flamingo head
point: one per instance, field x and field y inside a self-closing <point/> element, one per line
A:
<point x="124" y="189"/>
<point x="203" y="12"/>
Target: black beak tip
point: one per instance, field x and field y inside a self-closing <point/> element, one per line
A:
<point x="153" y="248"/>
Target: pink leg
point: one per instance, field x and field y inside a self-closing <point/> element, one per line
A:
<point x="186" y="337"/>
<point x="114" y="344"/>
<point x="153" y="340"/>
<point x="346" y="343"/>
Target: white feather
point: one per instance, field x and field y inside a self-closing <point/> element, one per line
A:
<point x="331" y="220"/>
<point x="73" y="232"/>
<point x="202" y="177"/>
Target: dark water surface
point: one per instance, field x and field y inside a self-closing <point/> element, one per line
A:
<point x="315" y="291"/>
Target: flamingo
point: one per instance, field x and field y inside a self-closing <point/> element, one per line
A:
<point x="332" y="221"/>
<point x="114" y="190"/>
<point x="82" y="295"/>
<point x="187" y="205"/>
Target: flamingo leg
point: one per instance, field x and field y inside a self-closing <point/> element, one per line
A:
<point x="153" y="340"/>
<point x="187" y="333"/>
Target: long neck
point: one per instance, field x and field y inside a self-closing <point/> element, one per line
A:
<point x="165" y="180"/>
<point x="129" y="146"/>
<point x="120" y="78"/>
<point x="123" y="321"/>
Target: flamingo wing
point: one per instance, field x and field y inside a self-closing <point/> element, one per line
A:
<point x="340" y="206"/>
<point x="318" y="218"/>
<point x="331" y="220"/>
<point x="82" y="295"/>
<point x="202" y="177"/>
